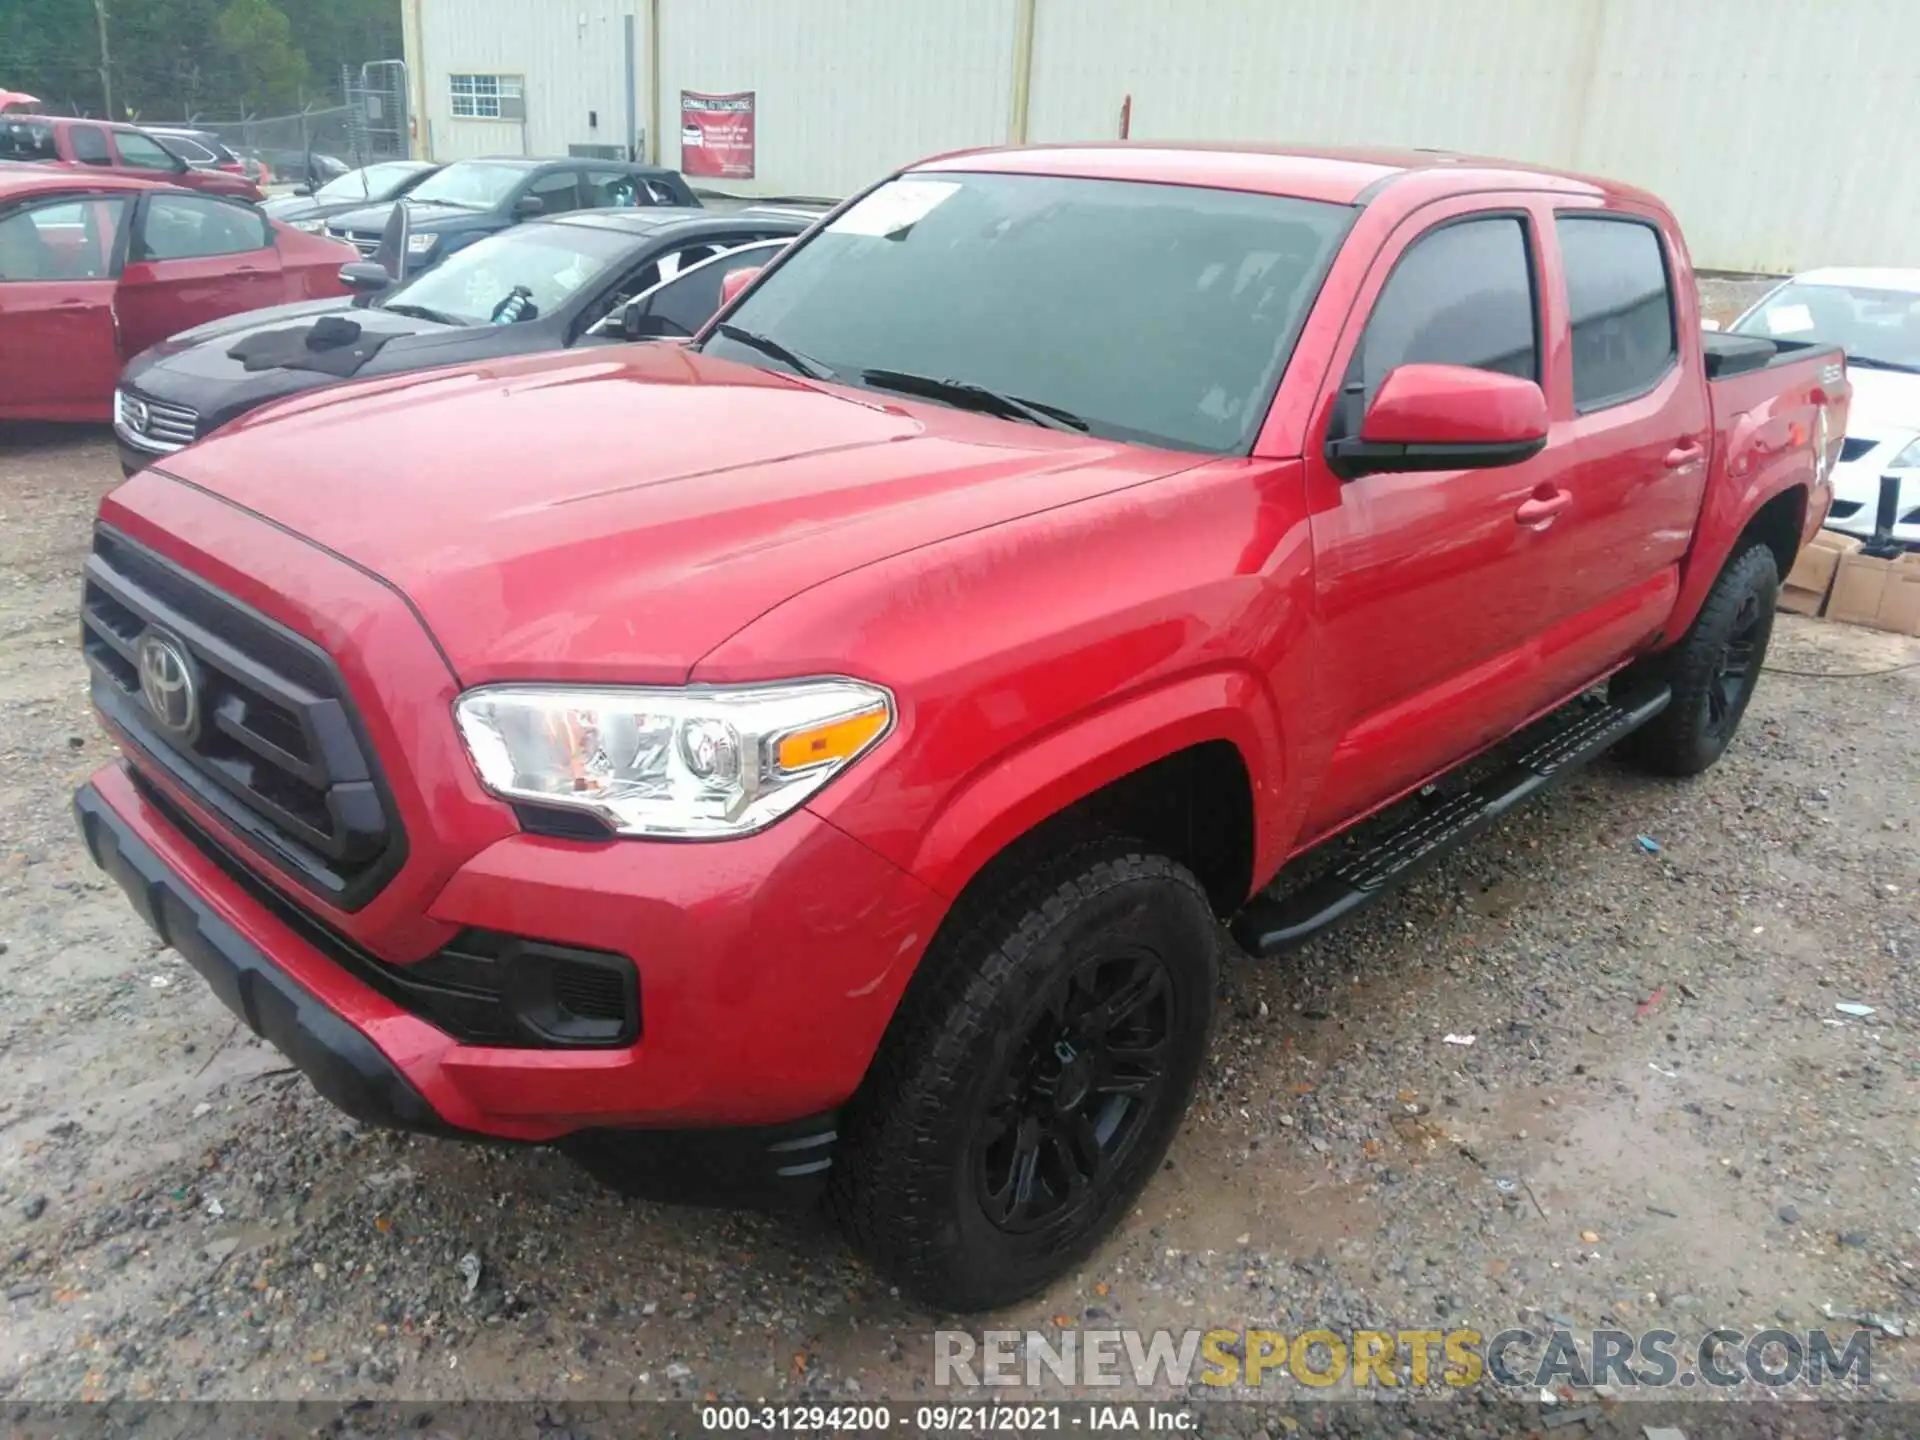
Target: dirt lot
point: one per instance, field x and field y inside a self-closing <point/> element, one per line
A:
<point x="1662" y="1120"/>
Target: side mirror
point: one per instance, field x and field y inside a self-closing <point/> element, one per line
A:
<point x="1444" y="417"/>
<point x="734" y="281"/>
<point x="528" y="205"/>
<point x="303" y="190"/>
<point x="637" y="322"/>
<point x="365" y="277"/>
<point x="1709" y="324"/>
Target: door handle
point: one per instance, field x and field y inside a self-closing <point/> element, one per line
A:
<point x="1540" y="509"/>
<point x="1685" y="453"/>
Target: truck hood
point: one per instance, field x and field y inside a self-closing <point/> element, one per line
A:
<point x="1884" y="401"/>
<point x="615" y="515"/>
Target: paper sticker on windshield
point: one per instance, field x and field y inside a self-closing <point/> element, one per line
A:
<point x="1789" y="320"/>
<point x="894" y="208"/>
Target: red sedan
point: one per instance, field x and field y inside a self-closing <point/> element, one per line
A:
<point x="95" y="268"/>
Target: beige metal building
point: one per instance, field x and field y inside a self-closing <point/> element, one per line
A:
<point x="1785" y="132"/>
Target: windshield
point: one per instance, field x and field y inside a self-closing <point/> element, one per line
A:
<point x="521" y="274"/>
<point x="1871" y="325"/>
<point x="1154" y="313"/>
<point x="375" y="182"/>
<point x="471" y="183"/>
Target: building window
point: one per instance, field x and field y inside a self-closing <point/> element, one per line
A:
<point x="481" y="97"/>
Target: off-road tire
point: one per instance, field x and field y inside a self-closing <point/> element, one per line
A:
<point x="1736" y="621"/>
<point x="907" y="1185"/>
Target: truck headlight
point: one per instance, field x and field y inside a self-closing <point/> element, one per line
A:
<point x="312" y="227"/>
<point x="421" y="244"/>
<point x="701" y="762"/>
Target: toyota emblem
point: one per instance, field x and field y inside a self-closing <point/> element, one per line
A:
<point x="169" y="685"/>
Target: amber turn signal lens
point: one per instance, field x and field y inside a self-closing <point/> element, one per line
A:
<point x="835" y="740"/>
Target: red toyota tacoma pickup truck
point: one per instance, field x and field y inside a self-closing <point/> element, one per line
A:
<point x="820" y="758"/>
<point x="87" y="145"/>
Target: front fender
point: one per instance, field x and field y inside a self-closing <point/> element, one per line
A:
<point x="1019" y="790"/>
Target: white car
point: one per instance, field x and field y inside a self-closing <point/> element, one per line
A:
<point x="1875" y="316"/>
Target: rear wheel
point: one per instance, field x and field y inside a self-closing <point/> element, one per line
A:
<point x="1034" y="1078"/>
<point x="1713" y="670"/>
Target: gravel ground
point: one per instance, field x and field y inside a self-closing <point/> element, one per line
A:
<point x="1662" y="1121"/>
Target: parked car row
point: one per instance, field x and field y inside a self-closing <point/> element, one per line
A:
<point x="593" y="278"/>
<point x="105" y="145"/>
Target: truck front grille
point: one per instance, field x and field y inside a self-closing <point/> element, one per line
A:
<point x="250" y="719"/>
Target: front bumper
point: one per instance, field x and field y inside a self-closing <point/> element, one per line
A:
<point x="713" y="1103"/>
<point x="343" y="1064"/>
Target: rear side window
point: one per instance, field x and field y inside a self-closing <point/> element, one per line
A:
<point x="1462" y="294"/>
<point x="27" y="140"/>
<point x="1621" y="306"/>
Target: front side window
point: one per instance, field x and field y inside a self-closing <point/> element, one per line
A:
<point x="557" y="193"/>
<point x="187" y="227"/>
<point x="1161" y="314"/>
<point x="1878" y="328"/>
<point x="688" y="300"/>
<point x="1620" y="306"/>
<point x="140" y="152"/>
<point x="1462" y="294"/>
<point x="90" y="145"/>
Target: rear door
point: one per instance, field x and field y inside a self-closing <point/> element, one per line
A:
<point x="58" y="258"/>
<point x="1636" y="425"/>
<point x="194" y="258"/>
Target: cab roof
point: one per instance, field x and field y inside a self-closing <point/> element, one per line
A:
<point x="1339" y="176"/>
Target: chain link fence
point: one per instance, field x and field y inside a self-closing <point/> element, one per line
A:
<point x="371" y="125"/>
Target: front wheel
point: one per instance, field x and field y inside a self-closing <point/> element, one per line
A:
<point x="1034" y="1078"/>
<point x="1712" y="670"/>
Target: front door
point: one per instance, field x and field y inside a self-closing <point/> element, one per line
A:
<point x="1429" y="584"/>
<point x="194" y="258"/>
<point x="57" y="264"/>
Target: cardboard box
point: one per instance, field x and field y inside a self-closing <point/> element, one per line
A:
<point x="1804" y="591"/>
<point x="1883" y="594"/>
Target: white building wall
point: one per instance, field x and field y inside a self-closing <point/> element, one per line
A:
<point x="1786" y="133"/>
<point x="571" y="52"/>
<point x="845" y="89"/>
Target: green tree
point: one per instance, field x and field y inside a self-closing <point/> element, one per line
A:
<point x="255" y="39"/>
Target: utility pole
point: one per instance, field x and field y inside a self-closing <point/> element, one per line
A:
<point x="106" y="64"/>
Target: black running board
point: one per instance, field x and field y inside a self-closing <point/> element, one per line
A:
<point x="1544" y="752"/>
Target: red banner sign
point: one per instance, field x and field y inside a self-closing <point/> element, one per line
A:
<point x="716" y="135"/>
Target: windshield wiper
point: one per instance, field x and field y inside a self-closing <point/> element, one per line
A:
<point x="773" y="349"/>
<point x="420" y="312"/>
<point x="965" y="395"/>
<point x="1873" y="362"/>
